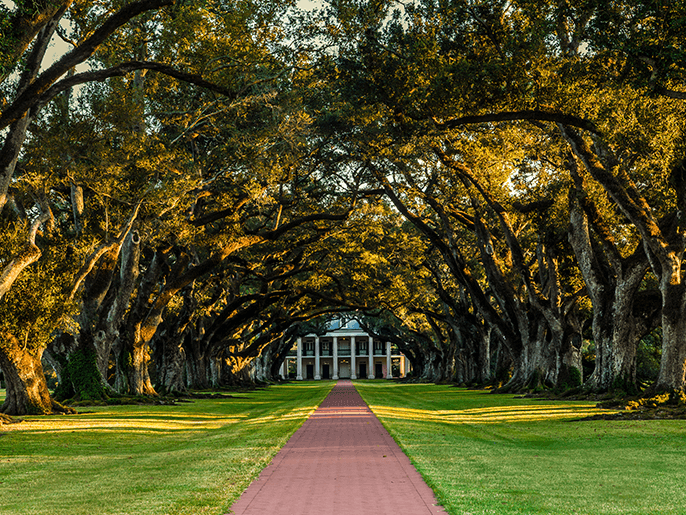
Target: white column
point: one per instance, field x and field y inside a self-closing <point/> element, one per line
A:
<point x="389" y="372"/>
<point x="353" y="370"/>
<point x="317" y="374"/>
<point x="281" y="370"/>
<point x="299" y="376"/>
<point x="370" y="374"/>
<point x="335" y="358"/>
<point x="402" y="365"/>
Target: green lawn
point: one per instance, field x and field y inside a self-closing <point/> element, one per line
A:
<point x="481" y="453"/>
<point x="495" y="454"/>
<point x="192" y="458"/>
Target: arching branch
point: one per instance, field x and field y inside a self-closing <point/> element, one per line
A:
<point x="526" y="115"/>
<point x="35" y="91"/>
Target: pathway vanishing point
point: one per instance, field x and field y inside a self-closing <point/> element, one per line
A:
<point x="341" y="461"/>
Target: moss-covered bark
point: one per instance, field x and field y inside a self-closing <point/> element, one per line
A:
<point x="81" y="379"/>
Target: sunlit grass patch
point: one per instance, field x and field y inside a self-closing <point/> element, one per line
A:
<point x="489" y="415"/>
<point x="148" y="422"/>
<point x="496" y="454"/>
<point x="188" y="458"/>
<point x="108" y="421"/>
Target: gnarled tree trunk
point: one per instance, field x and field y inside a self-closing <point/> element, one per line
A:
<point x="664" y="243"/>
<point x="195" y="349"/>
<point x="672" y="376"/>
<point x="105" y="294"/>
<point x="137" y="359"/>
<point x="27" y="391"/>
<point x="170" y="360"/>
<point x="612" y="282"/>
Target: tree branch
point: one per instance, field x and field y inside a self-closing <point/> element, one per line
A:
<point x="30" y="254"/>
<point x="625" y="195"/>
<point x="25" y="24"/>
<point x="679" y="95"/>
<point x="528" y="115"/>
<point x="102" y="250"/>
<point x="34" y="93"/>
<point x="276" y="233"/>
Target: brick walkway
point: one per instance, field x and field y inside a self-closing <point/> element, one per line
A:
<point x="341" y="461"/>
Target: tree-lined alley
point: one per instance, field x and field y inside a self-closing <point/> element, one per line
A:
<point x="495" y="187"/>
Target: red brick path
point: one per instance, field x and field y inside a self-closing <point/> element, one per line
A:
<point x="341" y="461"/>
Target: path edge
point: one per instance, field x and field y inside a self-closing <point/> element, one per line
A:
<point x="418" y="480"/>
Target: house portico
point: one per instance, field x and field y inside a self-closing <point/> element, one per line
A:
<point x="345" y="352"/>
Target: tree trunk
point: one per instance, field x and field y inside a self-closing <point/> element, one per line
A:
<point x="195" y="350"/>
<point x="229" y="371"/>
<point x="432" y="368"/>
<point x="197" y="372"/>
<point x="107" y="341"/>
<point x="664" y="244"/>
<point x="87" y="361"/>
<point x="612" y="283"/>
<point x="483" y="357"/>
<point x="133" y="349"/>
<point x="473" y="360"/>
<point x="570" y="371"/>
<point x="103" y="345"/>
<point x="672" y="376"/>
<point x="9" y="155"/>
<point x="137" y="362"/>
<point x="277" y="353"/>
<point x="503" y="361"/>
<point x="77" y="207"/>
<point x="533" y="366"/>
<point x="104" y="300"/>
<point x="616" y="340"/>
<point x="172" y="365"/>
<point x="215" y="372"/>
<point x="266" y="365"/>
<point x="27" y="392"/>
<point x="170" y="355"/>
<point x="414" y="353"/>
<point x="81" y="379"/>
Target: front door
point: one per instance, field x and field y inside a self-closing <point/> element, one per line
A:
<point x="363" y="371"/>
<point x="378" y="370"/>
<point x="344" y="372"/>
<point x="310" y="371"/>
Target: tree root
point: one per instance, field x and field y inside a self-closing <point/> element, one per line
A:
<point x="6" y="419"/>
<point x="59" y="409"/>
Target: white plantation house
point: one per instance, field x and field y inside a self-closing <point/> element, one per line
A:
<point x="344" y="352"/>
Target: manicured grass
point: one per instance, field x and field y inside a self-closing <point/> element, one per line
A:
<point x="495" y="454"/>
<point x="191" y="458"/>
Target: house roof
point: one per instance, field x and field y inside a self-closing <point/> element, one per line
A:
<point x="343" y="326"/>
